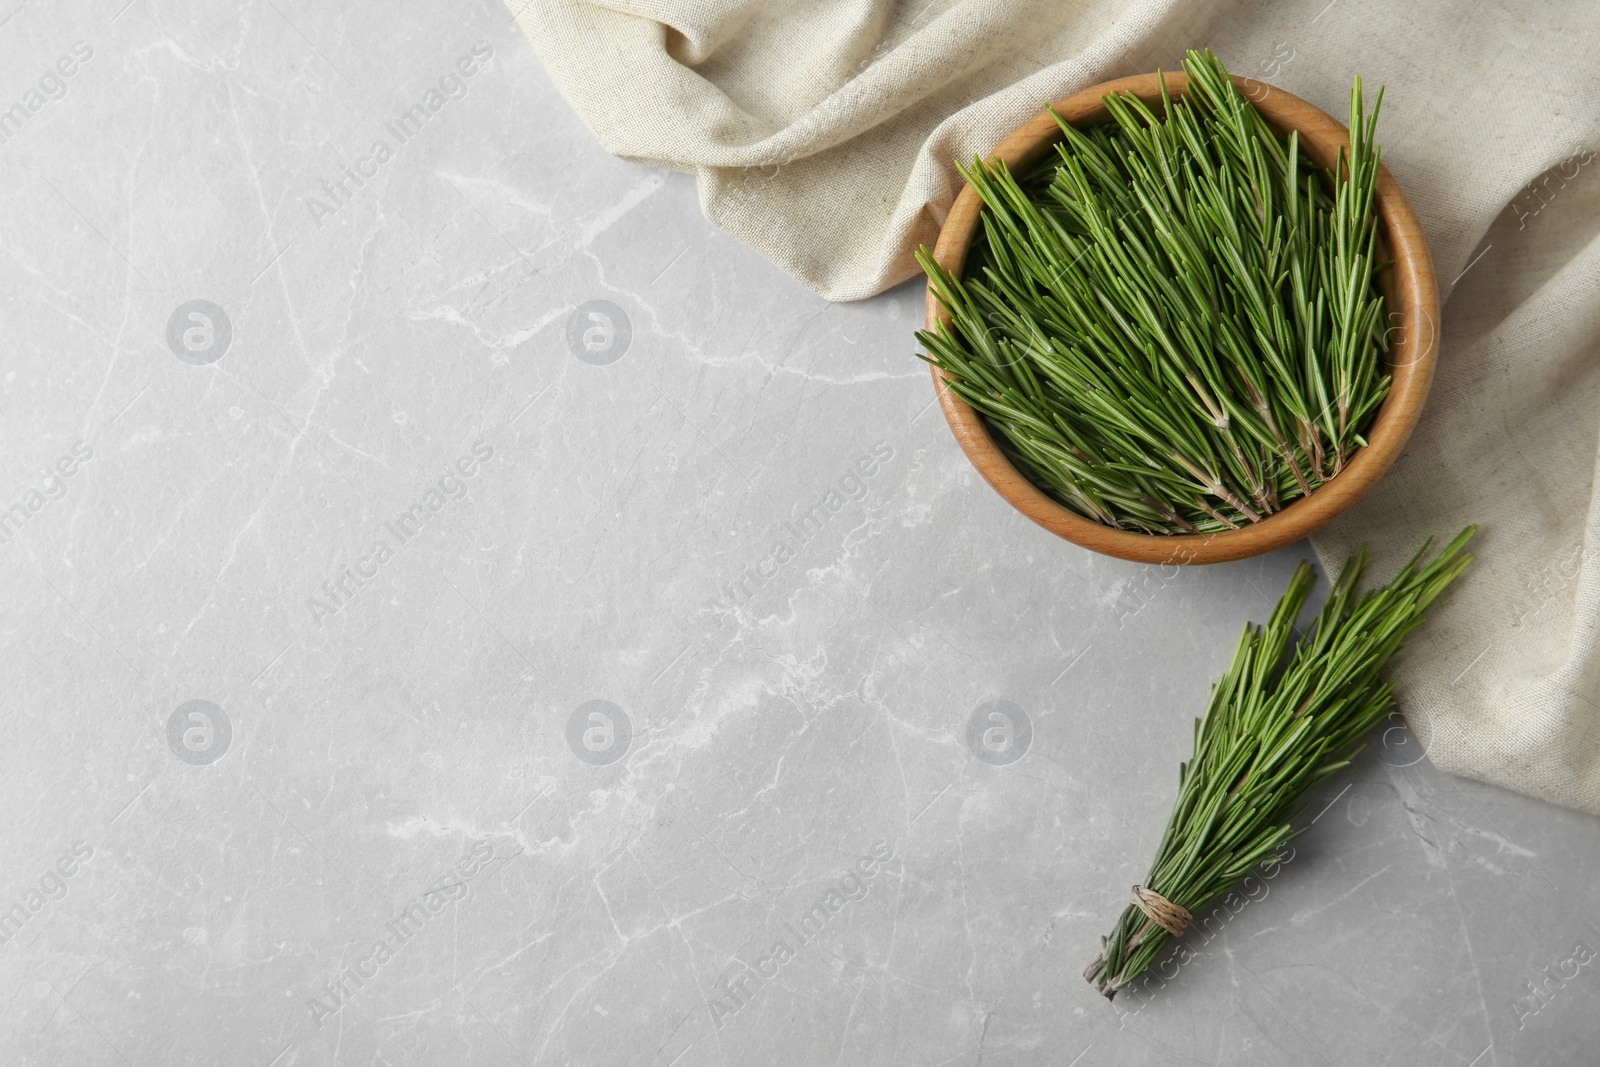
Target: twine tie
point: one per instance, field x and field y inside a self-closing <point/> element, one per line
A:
<point x="1173" y="918"/>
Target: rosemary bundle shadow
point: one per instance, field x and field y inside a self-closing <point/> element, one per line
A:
<point x="1285" y="716"/>
<point x="1173" y="326"/>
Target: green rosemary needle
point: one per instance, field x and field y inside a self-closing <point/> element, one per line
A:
<point x="1172" y="327"/>
<point x="1287" y="714"/>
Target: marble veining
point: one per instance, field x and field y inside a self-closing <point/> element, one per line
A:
<point x="463" y="609"/>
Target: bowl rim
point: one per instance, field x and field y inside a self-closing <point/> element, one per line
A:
<point x="1411" y="294"/>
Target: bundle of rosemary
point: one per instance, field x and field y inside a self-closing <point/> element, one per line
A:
<point x="1281" y="720"/>
<point x="1172" y="326"/>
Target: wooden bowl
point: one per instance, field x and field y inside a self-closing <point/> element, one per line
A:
<point x="1412" y="302"/>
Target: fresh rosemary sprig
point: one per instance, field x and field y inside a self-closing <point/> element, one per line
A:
<point x="1173" y="327"/>
<point x="1287" y="714"/>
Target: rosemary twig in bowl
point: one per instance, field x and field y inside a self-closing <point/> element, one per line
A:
<point x="1174" y="327"/>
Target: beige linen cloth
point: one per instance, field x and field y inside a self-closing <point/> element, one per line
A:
<point x="822" y="133"/>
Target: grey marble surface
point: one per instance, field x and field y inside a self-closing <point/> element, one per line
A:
<point x="400" y="476"/>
